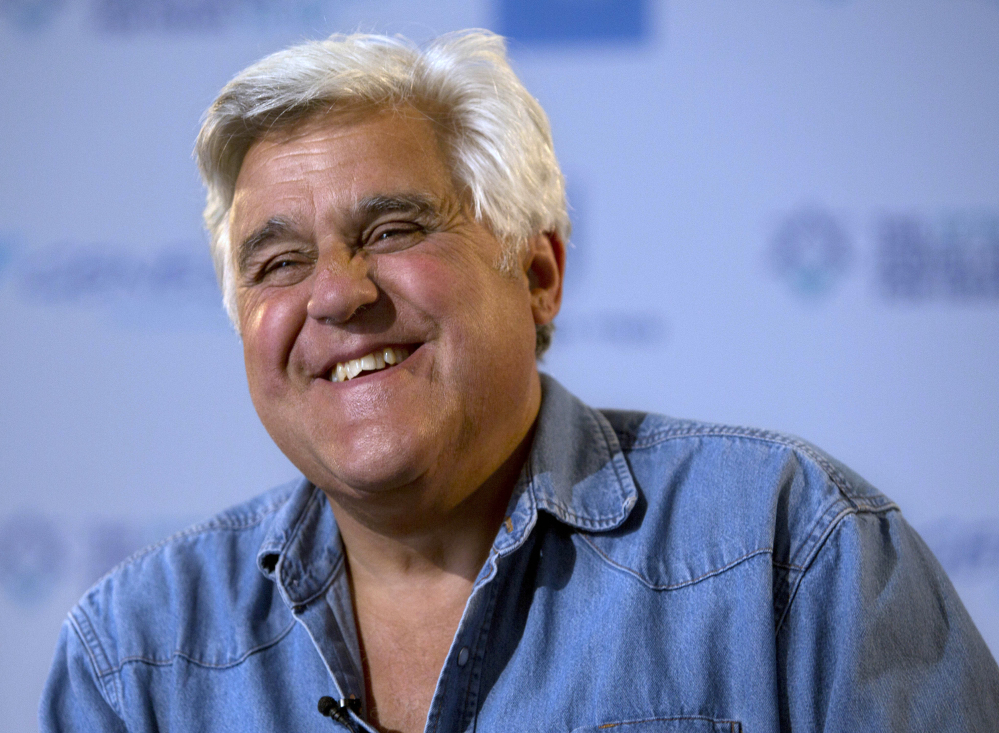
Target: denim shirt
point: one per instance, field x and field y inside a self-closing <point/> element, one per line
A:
<point x="652" y="575"/>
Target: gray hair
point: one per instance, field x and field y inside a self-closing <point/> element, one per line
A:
<point x="495" y="133"/>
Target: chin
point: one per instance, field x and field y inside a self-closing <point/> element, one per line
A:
<point x="372" y="467"/>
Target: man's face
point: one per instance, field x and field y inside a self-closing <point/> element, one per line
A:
<point x="349" y="239"/>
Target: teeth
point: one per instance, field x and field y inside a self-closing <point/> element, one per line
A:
<point x="369" y="363"/>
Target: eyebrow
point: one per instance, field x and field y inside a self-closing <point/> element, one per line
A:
<point x="274" y="228"/>
<point x="370" y="207"/>
<point x="417" y="204"/>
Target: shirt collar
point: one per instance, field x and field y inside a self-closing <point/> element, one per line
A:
<point x="576" y="472"/>
<point x="302" y="551"/>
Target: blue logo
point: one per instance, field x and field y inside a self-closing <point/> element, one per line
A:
<point x="108" y="543"/>
<point x="625" y="328"/>
<point x="811" y="251"/>
<point x="954" y="257"/>
<point x="133" y="16"/>
<point x="32" y="558"/>
<point x="172" y="288"/>
<point x="29" y="14"/>
<point x="546" y="21"/>
<point x="104" y="272"/>
<point x="965" y="547"/>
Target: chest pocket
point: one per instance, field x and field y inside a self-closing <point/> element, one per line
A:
<point x="685" y="724"/>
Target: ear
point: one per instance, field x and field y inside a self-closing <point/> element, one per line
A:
<point x="545" y="267"/>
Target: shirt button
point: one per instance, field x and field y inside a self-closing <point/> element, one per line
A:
<point x="463" y="656"/>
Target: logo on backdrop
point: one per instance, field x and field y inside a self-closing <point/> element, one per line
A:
<point x="560" y="21"/>
<point x="811" y="251"/>
<point x="965" y="548"/>
<point x="136" y="16"/>
<point x="949" y="257"/>
<point x="131" y="16"/>
<point x="73" y="272"/>
<point x="32" y="558"/>
<point x="954" y="257"/>
<point x="173" y="287"/>
<point x="29" y="15"/>
<point x="39" y="553"/>
<point x="626" y="327"/>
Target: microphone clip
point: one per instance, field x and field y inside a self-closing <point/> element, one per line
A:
<point x="339" y="710"/>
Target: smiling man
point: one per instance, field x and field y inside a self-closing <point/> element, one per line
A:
<point x="472" y="548"/>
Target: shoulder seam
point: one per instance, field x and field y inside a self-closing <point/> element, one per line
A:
<point x="94" y="648"/>
<point x="766" y="436"/>
<point x="820" y="543"/>
<point x="211" y="525"/>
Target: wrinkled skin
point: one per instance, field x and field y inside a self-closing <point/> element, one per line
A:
<point x="334" y="277"/>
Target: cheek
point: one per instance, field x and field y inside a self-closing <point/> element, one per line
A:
<point x="483" y="319"/>
<point x="270" y="324"/>
<point x="428" y="283"/>
<point x="455" y="288"/>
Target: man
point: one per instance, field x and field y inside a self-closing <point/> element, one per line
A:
<point x="471" y="547"/>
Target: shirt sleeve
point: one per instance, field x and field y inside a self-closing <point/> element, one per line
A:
<point x="74" y="697"/>
<point x="876" y="639"/>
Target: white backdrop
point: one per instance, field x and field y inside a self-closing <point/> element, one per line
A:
<point x="787" y="215"/>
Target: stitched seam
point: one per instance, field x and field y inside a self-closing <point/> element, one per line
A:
<point x="764" y="436"/>
<point x="470" y="704"/>
<point x="294" y="537"/>
<point x="673" y="717"/>
<point x="449" y="673"/>
<point x="204" y="528"/>
<point x="597" y="421"/>
<point x="682" y="584"/>
<point x="558" y="510"/>
<point x="785" y="565"/>
<point x="607" y="431"/>
<point x="109" y="695"/>
<point x="814" y="546"/>
<point x="88" y="635"/>
<point x="181" y="655"/>
<point x="326" y="583"/>
<point x="835" y="524"/>
<point x="815" y="540"/>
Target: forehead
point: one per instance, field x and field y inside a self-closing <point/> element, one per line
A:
<point x="334" y="160"/>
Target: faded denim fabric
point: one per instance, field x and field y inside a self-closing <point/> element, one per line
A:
<point x="653" y="575"/>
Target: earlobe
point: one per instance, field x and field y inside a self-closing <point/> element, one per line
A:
<point x="545" y="268"/>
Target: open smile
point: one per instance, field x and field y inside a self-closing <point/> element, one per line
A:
<point x="375" y="361"/>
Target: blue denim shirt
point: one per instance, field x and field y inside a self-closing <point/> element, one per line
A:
<point x="652" y="575"/>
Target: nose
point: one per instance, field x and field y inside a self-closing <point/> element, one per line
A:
<point x="342" y="287"/>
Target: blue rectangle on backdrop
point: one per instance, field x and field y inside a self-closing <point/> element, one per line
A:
<point x="573" y="20"/>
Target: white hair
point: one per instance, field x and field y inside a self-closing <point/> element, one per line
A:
<point x="494" y="132"/>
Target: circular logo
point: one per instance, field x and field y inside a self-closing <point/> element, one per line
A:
<point x="32" y="557"/>
<point x="811" y="251"/>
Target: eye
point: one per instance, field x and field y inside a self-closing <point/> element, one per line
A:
<point x="395" y="236"/>
<point x="283" y="269"/>
<point x="279" y="264"/>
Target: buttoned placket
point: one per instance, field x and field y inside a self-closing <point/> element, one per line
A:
<point x="329" y="623"/>
<point x="456" y="701"/>
<point x="326" y="627"/>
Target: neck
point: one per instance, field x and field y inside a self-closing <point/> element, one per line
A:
<point x="433" y="537"/>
